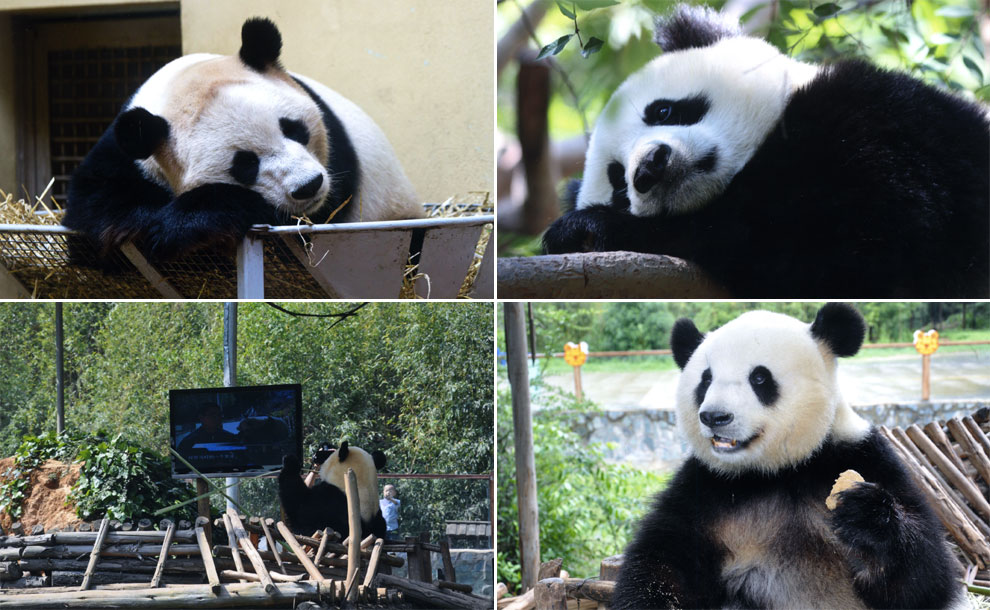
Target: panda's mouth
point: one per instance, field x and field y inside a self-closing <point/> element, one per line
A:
<point x="721" y="444"/>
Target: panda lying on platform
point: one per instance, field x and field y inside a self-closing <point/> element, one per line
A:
<point x="784" y="179"/>
<point x="744" y="522"/>
<point x="308" y="509"/>
<point x="210" y="145"/>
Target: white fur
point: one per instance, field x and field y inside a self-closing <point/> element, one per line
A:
<point x="747" y="83"/>
<point x="244" y="115"/>
<point x="334" y="471"/>
<point x="809" y="406"/>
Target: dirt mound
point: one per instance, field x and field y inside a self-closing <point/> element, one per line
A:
<point x="45" y="502"/>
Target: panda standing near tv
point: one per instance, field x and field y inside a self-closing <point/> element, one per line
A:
<point x="747" y="521"/>
<point x="783" y="179"/>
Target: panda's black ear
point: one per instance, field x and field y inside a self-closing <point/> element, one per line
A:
<point x="684" y="339"/>
<point x="379" y="459"/>
<point x="139" y="133"/>
<point x="840" y="327"/>
<point x="343" y="451"/>
<point x="689" y="27"/>
<point x="261" y="44"/>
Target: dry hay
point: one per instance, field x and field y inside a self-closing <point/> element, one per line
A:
<point x="20" y="212"/>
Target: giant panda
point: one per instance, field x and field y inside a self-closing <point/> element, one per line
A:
<point x="308" y="509"/>
<point x="744" y="522"/>
<point x="785" y="179"/>
<point x="210" y="145"/>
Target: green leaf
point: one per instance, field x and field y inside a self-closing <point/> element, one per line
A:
<point x="827" y="10"/>
<point x="974" y="68"/>
<point x="954" y="12"/>
<point x="592" y="46"/>
<point x="567" y="12"/>
<point x="590" y="5"/>
<point x="555" y="47"/>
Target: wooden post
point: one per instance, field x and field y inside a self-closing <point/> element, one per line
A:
<point x="297" y="549"/>
<point x="272" y="545"/>
<point x="244" y="540"/>
<point x="926" y="375"/>
<point x="232" y="541"/>
<point x="551" y="594"/>
<point x="211" y="569"/>
<point x="169" y="534"/>
<point x="203" y="506"/>
<point x="376" y="554"/>
<point x="354" y="524"/>
<point x="577" y="382"/>
<point x="522" y="421"/>
<point x="94" y="557"/>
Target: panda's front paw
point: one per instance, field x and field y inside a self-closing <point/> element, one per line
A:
<point x="291" y="464"/>
<point x="592" y="229"/>
<point x="867" y="518"/>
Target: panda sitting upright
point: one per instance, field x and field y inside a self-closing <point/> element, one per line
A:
<point x="308" y="509"/>
<point x="785" y="179"/>
<point x="744" y="522"/>
<point x="210" y="145"/>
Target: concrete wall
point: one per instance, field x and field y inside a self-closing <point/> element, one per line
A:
<point x="423" y="69"/>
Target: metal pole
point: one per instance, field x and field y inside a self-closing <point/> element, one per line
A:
<point x="522" y="421"/>
<point x="233" y="484"/>
<point x="59" y="372"/>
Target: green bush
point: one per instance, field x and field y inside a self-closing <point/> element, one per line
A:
<point x="587" y="508"/>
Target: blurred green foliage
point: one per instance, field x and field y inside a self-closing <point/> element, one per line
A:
<point x="412" y="379"/>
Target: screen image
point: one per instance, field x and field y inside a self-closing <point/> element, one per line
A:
<point x="238" y="431"/>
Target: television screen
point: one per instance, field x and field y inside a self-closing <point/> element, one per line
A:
<point x="238" y="431"/>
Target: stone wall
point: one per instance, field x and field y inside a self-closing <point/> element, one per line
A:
<point x="475" y="567"/>
<point x="648" y="439"/>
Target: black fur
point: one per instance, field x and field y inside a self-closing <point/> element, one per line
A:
<point x="871" y="185"/>
<point x="701" y="389"/>
<point x="309" y="509"/>
<point x="342" y="167"/>
<point x="684" y="339"/>
<point x="261" y="44"/>
<point x="691" y="27"/>
<point x="294" y="130"/>
<point x="764" y="385"/>
<point x="244" y="167"/>
<point x="886" y="536"/>
<point x="676" y="112"/>
<point x="139" y="133"/>
<point x="841" y="327"/>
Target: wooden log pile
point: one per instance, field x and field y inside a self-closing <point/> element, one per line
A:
<point x="177" y="567"/>
<point x="950" y="462"/>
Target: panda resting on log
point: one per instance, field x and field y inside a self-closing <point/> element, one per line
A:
<point x="310" y="509"/>
<point x="745" y="522"/>
<point x="786" y="179"/>
<point x="210" y="145"/>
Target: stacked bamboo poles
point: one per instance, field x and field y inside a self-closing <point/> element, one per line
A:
<point x="949" y="462"/>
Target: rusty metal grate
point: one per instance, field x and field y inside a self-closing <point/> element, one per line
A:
<point x="86" y="90"/>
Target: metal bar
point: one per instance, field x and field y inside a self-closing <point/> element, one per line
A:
<point x="59" y="372"/>
<point x="342" y="227"/>
<point x="251" y="269"/>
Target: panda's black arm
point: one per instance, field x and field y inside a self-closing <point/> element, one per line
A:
<point x="602" y="228"/>
<point x="894" y="542"/>
<point x="212" y="215"/>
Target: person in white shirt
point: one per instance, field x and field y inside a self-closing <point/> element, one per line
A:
<point x="390" y="511"/>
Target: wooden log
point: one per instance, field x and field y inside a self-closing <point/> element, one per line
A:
<point x="38" y="529"/>
<point x="376" y="554"/>
<point x="272" y="545"/>
<point x="609" y="569"/>
<point x="354" y="525"/>
<point x="938" y="437"/>
<point x="297" y="550"/>
<point x="144" y="525"/>
<point x="958" y="479"/>
<point x="425" y="594"/>
<point x="10" y="570"/>
<point x="94" y="556"/>
<point x="142" y="566"/>
<point x="236" y="555"/>
<point x="253" y="577"/>
<point x="448" y="563"/>
<point x="593" y="275"/>
<point x="453" y="586"/>
<point x="324" y="539"/>
<point x="89" y="538"/>
<point x="17" y="528"/>
<point x="27" y="582"/>
<point x="550" y="594"/>
<point x="63" y="578"/>
<point x="977" y="457"/>
<point x="157" y="577"/>
<point x="118" y="550"/>
<point x="501" y="590"/>
<point x="589" y="588"/>
<point x="235" y="595"/>
<point x="978" y="433"/>
<point x="211" y="569"/>
<point x="550" y="569"/>
<point x="244" y="539"/>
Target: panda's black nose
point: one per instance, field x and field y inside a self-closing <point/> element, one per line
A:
<point x="309" y="189"/>
<point x="651" y="168"/>
<point x="714" y="419"/>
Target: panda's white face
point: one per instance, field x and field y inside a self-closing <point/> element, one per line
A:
<point x="760" y="393"/>
<point x="334" y="471"/>
<point x="676" y="132"/>
<point x="233" y="125"/>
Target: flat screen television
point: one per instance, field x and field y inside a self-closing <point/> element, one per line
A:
<point x="238" y="431"/>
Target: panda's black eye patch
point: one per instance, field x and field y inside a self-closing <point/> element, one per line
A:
<point x="244" y="168"/>
<point x="764" y="385"/>
<point x="687" y="111"/>
<point x="703" y="385"/>
<point x="620" y="192"/>
<point x="294" y="130"/>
